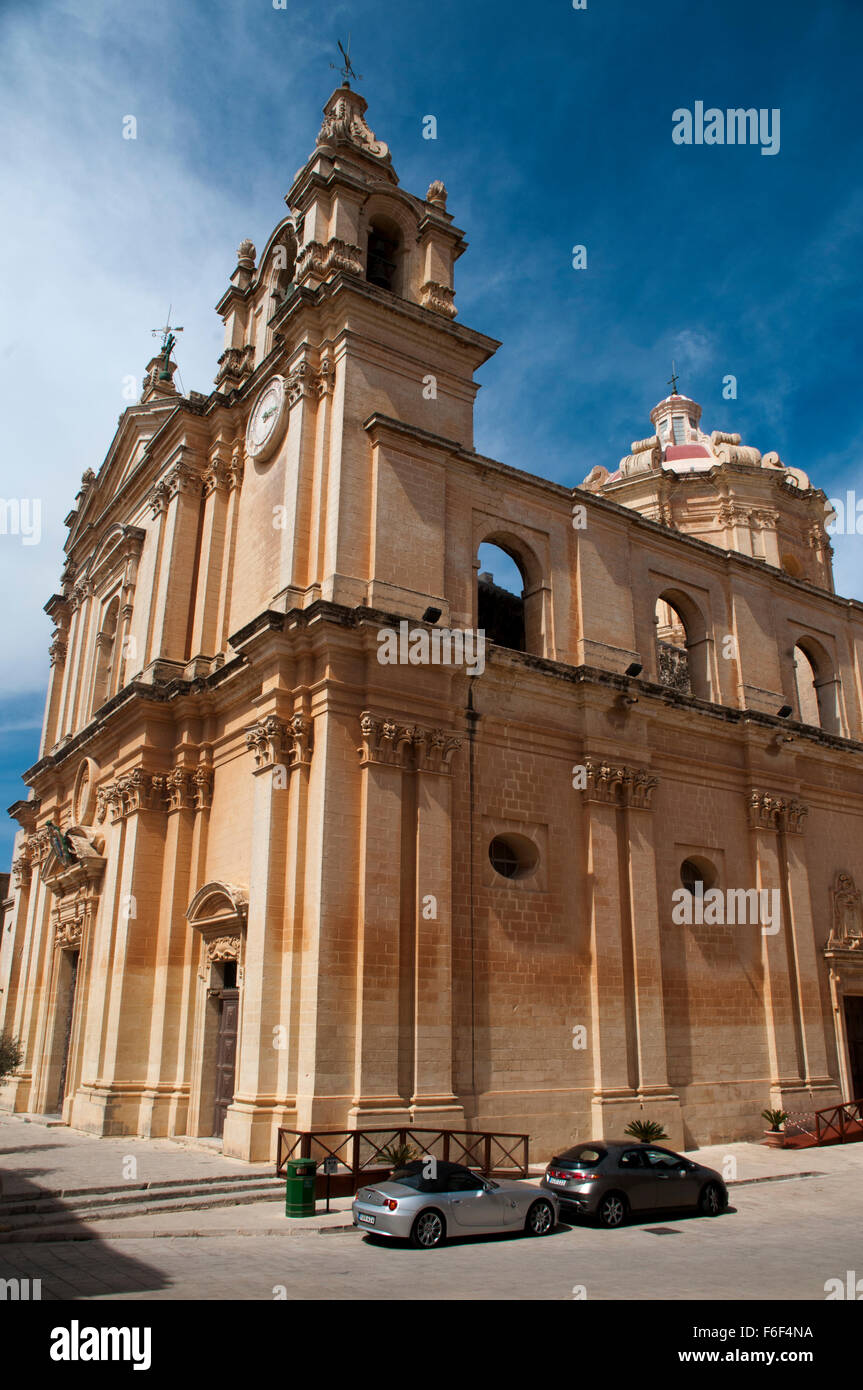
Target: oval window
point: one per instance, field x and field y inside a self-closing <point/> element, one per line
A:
<point x="513" y="856"/>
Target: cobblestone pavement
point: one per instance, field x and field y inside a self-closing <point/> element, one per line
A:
<point x="781" y="1240"/>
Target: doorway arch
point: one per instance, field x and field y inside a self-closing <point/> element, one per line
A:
<point x="217" y="913"/>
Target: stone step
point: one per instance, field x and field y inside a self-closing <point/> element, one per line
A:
<point x="71" y="1216"/>
<point x="240" y="1179"/>
<point x="129" y="1192"/>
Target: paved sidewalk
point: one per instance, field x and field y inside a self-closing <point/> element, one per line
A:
<point x="56" y="1158"/>
<point x="34" y="1154"/>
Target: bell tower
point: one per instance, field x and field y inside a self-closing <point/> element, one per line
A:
<point x="352" y="306"/>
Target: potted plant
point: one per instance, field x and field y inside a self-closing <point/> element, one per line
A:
<point x="398" y="1155"/>
<point x="645" y="1131"/>
<point x="774" y="1137"/>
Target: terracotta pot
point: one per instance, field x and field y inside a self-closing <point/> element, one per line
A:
<point x="774" y="1138"/>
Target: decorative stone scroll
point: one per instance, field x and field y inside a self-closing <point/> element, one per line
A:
<point x="438" y="297"/>
<point x="235" y="364"/>
<point x="69" y="935"/>
<point x="406" y="745"/>
<point x="846" y="929"/>
<point x="615" y="784"/>
<point x="318" y="259"/>
<point x="275" y="742"/>
<point x="769" y="812"/>
<point x="344" y="123"/>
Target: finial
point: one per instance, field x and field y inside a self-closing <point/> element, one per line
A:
<point x="346" y="71"/>
<point x="168" y="340"/>
<point x="673" y="381"/>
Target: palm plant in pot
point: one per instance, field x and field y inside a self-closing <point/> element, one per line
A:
<point x="398" y="1155"/>
<point x="645" y="1131"/>
<point x="774" y="1137"/>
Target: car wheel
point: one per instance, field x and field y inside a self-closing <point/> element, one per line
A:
<point x="612" y="1210"/>
<point x="540" y="1219"/>
<point x="428" y="1230"/>
<point x="712" y="1200"/>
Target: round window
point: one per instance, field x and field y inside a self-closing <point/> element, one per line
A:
<point x="694" y="871"/>
<point x="513" y="856"/>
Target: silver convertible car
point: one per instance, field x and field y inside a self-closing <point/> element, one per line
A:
<point x="427" y="1201"/>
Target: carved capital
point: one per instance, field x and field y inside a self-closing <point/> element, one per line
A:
<point x="131" y="793"/>
<point x="217" y="477"/>
<point x="203" y="780"/>
<point x="407" y="746"/>
<point x="21" y="869"/>
<point x="180" y="789"/>
<point x="81" y="591"/>
<point x="767" y="811"/>
<point x="615" y="784"/>
<point x="266" y="740"/>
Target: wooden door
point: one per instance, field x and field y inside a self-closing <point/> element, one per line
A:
<point x="226" y="1056"/>
<point x="68" y="1005"/>
<point x="854" y="1032"/>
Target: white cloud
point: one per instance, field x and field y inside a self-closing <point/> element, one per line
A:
<point x="99" y="235"/>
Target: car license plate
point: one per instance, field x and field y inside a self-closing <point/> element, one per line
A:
<point x="557" y="1182"/>
<point x="366" y="1220"/>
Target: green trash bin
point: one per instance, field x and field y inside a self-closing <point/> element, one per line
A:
<point x="300" y="1187"/>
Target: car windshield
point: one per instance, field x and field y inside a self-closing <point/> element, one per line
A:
<point x="585" y="1155"/>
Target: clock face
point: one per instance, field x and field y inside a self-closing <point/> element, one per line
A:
<point x="267" y="419"/>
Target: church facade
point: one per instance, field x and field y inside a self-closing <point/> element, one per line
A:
<point x="607" y="869"/>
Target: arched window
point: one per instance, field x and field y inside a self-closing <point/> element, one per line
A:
<point x="500" y="598"/>
<point x="817" y="687"/>
<point x="106" y="655"/>
<point x="682" y="645"/>
<point x="383" y="254"/>
<point x="284" y="266"/>
<point x="672" y="656"/>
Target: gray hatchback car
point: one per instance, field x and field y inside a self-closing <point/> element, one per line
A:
<point x="426" y="1201"/>
<point x="609" y="1179"/>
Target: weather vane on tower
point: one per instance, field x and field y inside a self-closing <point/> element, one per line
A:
<point x="168" y="341"/>
<point x="348" y="70"/>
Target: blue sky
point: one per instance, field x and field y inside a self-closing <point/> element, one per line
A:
<point x="554" y="129"/>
